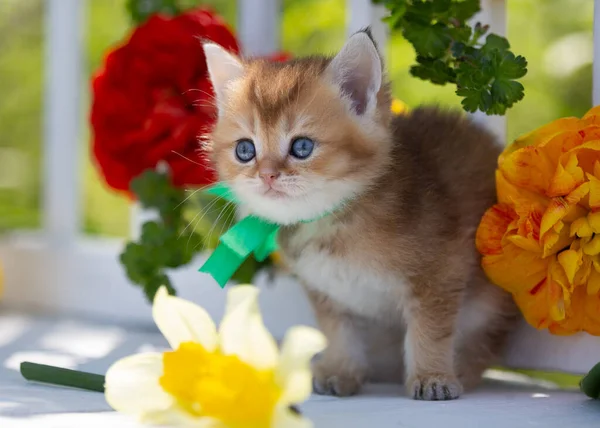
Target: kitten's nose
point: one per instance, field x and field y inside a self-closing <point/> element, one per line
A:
<point x="268" y="175"/>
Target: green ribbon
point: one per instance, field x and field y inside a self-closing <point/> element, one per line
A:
<point x="250" y="235"/>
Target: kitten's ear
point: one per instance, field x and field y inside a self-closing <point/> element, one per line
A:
<point x="223" y="68"/>
<point x="357" y="70"/>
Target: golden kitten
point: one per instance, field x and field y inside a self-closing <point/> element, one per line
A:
<point x="378" y="215"/>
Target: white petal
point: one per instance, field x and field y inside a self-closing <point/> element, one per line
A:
<point x="132" y="385"/>
<point x="242" y="331"/>
<point x="179" y="418"/>
<point x="300" y="345"/>
<point x="285" y="418"/>
<point x="182" y="321"/>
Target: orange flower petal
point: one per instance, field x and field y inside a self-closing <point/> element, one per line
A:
<point x="594" y="200"/>
<point x="581" y="227"/>
<point x="592" y="116"/>
<point x="557" y="209"/>
<point x="492" y="228"/>
<point x="566" y="178"/>
<point x="593" y="284"/>
<point x="594" y="221"/>
<point x="528" y="168"/>
<point x="592" y="248"/>
<point x="570" y="260"/>
<point x="515" y="269"/>
<point x="554" y="241"/>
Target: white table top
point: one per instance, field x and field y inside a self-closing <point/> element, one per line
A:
<point x="94" y="346"/>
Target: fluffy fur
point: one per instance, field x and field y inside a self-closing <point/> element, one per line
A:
<point x="392" y="272"/>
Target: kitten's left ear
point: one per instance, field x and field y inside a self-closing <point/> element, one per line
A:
<point x="357" y="70"/>
<point x="223" y="68"/>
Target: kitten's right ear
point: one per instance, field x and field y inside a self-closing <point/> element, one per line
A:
<point x="357" y="70"/>
<point x="223" y="68"/>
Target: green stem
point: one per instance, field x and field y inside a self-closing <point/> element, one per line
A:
<point x="63" y="377"/>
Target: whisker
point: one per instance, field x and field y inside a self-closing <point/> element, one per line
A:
<point x="210" y="232"/>
<point x="186" y="158"/>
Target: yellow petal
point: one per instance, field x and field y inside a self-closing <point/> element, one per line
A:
<point x="543" y="135"/>
<point x="492" y="228"/>
<point x="554" y="241"/>
<point x="515" y="269"/>
<point x="525" y="243"/>
<point x="594" y="191"/>
<point x="557" y="209"/>
<point x="592" y="248"/>
<point x="566" y="178"/>
<point x="182" y="321"/>
<point x="570" y="260"/>
<point x="242" y="331"/>
<point x="299" y="346"/>
<point x="528" y="168"/>
<point x="508" y="193"/>
<point x="593" y="284"/>
<point x="594" y="221"/>
<point x="132" y="386"/>
<point x="581" y="227"/>
<point x="284" y="418"/>
<point x="593" y="116"/>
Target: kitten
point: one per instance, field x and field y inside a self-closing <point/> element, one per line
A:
<point x="378" y="215"/>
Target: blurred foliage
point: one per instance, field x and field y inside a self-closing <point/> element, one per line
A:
<point x="450" y="50"/>
<point x="554" y="35"/>
<point x="161" y="245"/>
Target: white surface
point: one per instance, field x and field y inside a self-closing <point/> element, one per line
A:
<point x="87" y="278"/>
<point x="93" y="347"/>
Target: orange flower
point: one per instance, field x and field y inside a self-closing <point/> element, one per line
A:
<point x="541" y="241"/>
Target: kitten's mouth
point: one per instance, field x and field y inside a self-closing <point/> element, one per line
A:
<point x="275" y="194"/>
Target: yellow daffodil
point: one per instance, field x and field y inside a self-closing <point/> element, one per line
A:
<point x="233" y="378"/>
<point x="541" y="242"/>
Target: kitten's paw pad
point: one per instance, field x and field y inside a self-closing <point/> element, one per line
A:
<point x="337" y="385"/>
<point x="434" y="388"/>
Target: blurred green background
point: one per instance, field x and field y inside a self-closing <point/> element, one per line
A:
<point x="554" y="35"/>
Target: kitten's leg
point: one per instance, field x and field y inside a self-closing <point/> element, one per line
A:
<point x="484" y="324"/>
<point x="341" y="369"/>
<point x="429" y="343"/>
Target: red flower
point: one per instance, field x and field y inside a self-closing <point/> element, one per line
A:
<point x="153" y="99"/>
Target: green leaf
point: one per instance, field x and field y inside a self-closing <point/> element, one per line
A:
<point x="475" y="99"/>
<point x="493" y="41"/>
<point x="511" y="67"/>
<point x="430" y="40"/>
<point x="141" y="10"/>
<point x="507" y="92"/>
<point x="449" y="50"/>
<point x="590" y="384"/>
<point x="465" y="10"/>
<point x="436" y="71"/>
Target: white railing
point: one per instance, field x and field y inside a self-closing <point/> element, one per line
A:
<point x="61" y="270"/>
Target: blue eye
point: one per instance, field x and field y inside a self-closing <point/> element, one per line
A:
<point x="302" y="147"/>
<point x="245" y="150"/>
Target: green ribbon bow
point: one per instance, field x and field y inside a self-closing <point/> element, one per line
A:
<point x="250" y="235"/>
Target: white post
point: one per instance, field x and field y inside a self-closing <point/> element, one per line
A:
<point x="259" y="26"/>
<point x="362" y="13"/>
<point x="596" y="73"/>
<point x="493" y="13"/>
<point x="62" y="110"/>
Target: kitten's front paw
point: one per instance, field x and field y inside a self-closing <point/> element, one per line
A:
<point x="434" y="387"/>
<point x="327" y="382"/>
